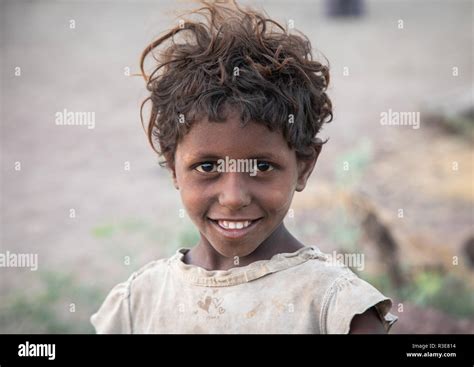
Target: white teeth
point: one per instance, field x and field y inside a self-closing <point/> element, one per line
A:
<point x="233" y="225"/>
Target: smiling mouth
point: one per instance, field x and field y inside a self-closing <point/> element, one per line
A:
<point x="234" y="228"/>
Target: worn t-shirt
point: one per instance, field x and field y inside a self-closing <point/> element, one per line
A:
<point x="300" y="292"/>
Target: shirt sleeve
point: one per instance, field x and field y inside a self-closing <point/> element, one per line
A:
<point x="350" y="296"/>
<point x="114" y="316"/>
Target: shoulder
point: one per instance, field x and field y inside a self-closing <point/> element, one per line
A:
<point x="115" y="313"/>
<point x="321" y="268"/>
<point x="150" y="272"/>
<point x="343" y="295"/>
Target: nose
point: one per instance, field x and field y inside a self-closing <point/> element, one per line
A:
<point x="234" y="191"/>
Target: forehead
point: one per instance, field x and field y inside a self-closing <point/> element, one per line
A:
<point x="231" y="139"/>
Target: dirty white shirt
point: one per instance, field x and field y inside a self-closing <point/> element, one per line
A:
<point x="300" y="292"/>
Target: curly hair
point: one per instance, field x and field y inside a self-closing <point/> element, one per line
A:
<point x="236" y="58"/>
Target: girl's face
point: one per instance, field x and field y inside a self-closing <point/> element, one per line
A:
<point x="236" y="212"/>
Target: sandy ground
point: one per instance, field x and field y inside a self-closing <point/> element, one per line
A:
<point x="135" y="213"/>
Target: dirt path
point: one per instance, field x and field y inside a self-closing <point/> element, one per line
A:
<point x="135" y="213"/>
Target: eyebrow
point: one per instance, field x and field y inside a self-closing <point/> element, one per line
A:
<point x="209" y="155"/>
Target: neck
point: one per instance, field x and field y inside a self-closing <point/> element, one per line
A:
<point x="205" y="256"/>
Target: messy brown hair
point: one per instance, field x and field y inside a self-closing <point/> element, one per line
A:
<point x="236" y="58"/>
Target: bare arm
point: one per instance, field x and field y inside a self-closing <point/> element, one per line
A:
<point x="367" y="323"/>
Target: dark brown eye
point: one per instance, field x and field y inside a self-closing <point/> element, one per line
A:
<point x="263" y="166"/>
<point x="207" y="167"/>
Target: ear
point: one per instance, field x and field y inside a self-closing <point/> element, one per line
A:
<point x="306" y="166"/>
<point x="172" y="170"/>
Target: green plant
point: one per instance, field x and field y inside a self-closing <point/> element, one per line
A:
<point x="445" y="292"/>
<point x="352" y="164"/>
<point x="47" y="310"/>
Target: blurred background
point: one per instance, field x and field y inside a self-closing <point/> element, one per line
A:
<point x="94" y="205"/>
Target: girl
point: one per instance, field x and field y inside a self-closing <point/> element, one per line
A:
<point x="235" y="86"/>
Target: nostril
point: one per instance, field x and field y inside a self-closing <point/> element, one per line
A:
<point x="234" y="202"/>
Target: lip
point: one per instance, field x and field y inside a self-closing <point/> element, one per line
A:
<point x="235" y="233"/>
<point x="235" y="219"/>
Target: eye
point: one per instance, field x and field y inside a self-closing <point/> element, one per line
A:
<point x="206" y="167"/>
<point x="263" y="166"/>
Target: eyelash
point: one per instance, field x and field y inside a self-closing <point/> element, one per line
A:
<point x="214" y="163"/>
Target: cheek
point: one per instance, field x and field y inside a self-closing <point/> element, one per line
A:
<point x="191" y="199"/>
<point x="277" y="199"/>
<point x="195" y="198"/>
